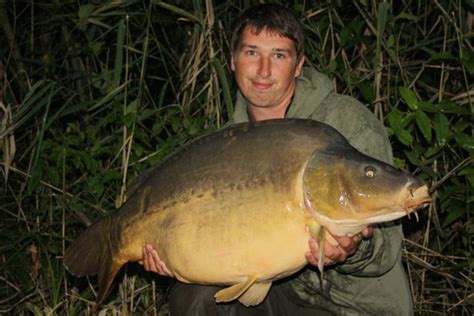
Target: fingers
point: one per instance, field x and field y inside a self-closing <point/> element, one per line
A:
<point x="346" y="244"/>
<point x="152" y="263"/>
<point x="367" y="232"/>
<point x="148" y="262"/>
<point x="338" y="254"/>
<point x="164" y="269"/>
<point x="332" y="254"/>
<point x="346" y="247"/>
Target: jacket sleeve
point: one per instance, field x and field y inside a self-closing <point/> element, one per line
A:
<point x="378" y="254"/>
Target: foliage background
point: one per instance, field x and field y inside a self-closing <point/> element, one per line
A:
<point x="93" y="93"/>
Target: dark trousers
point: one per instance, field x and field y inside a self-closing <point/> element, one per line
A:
<point x="198" y="300"/>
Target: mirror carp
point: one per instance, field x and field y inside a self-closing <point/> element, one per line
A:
<point x="236" y="207"/>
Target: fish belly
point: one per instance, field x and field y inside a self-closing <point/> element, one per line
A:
<point x="223" y="239"/>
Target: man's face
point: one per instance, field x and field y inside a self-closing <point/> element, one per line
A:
<point x="265" y="67"/>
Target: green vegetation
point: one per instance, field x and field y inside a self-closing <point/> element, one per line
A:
<point x="94" y="94"/>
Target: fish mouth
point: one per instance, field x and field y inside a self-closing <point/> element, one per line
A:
<point x="415" y="198"/>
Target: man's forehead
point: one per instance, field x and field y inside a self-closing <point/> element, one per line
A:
<point x="265" y="37"/>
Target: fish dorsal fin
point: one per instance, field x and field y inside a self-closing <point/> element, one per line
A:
<point x="255" y="294"/>
<point x="235" y="291"/>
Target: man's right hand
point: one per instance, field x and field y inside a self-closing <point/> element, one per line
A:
<point x="151" y="262"/>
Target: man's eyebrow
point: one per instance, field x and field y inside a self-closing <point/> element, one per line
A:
<point x="280" y="50"/>
<point x="243" y="45"/>
<point x="283" y="50"/>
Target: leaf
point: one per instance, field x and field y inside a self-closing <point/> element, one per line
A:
<point x="470" y="298"/>
<point x="391" y="40"/>
<point x="404" y="136"/>
<point x="413" y="157"/>
<point x="461" y="126"/>
<point x="179" y="11"/>
<point x="85" y="11"/>
<point x="367" y="91"/>
<point x="441" y="127"/>
<point x="392" y="55"/>
<point x="448" y="106"/>
<point x="409" y="97"/>
<point x="424" y="124"/>
<point x="467" y="60"/>
<point x="427" y="107"/>
<point x="395" y="119"/>
<point x="382" y="15"/>
<point x="468" y="172"/>
<point x="224" y="80"/>
<point x="441" y="56"/>
<point x="129" y="119"/>
<point x="119" y="49"/>
<point x="345" y="36"/>
<point x="453" y="215"/>
<point x="399" y="163"/>
<point x="132" y="107"/>
<point x="407" y="16"/>
<point x="397" y="122"/>
<point x="432" y="151"/>
<point x="108" y="97"/>
<point x="36" y="177"/>
<point x="143" y="115"/>
<point x="465" y="141"/>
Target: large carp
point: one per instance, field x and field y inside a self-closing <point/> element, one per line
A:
<point x="238" y="206"/>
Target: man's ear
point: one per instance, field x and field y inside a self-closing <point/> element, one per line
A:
<point x="232" y="65"/>
<point x="299" y="66"/>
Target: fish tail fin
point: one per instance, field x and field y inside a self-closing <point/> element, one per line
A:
<point x="94" y="252"/>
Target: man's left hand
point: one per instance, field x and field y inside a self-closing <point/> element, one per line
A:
<point x="346" y="247"/>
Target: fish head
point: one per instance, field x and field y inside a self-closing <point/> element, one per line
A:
<point x="345" y="191"/>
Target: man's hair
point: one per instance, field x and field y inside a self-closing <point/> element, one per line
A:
<point x="274" y="18"/>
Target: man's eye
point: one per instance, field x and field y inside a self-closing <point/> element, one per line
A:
<point x="280" y="56"/>
<point x="251" y="53"/>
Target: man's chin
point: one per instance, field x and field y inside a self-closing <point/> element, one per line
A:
<point x="260" y="103"/>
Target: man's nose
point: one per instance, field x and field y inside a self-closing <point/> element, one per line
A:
<point x="264" y="69"/>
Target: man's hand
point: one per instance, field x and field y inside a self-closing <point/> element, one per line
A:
<point x="151" y="262"/>
<point x="337" y="254"/>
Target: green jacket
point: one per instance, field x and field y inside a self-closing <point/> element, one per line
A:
<point x="372" y="281"/>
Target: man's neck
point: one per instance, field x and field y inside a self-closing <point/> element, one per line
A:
<point x="261" y="114"/>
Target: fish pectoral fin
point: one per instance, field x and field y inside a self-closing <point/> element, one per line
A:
<point x="235" y="291"/>
<point x="255" y="294"/>
<point x="320" y="239"/>
<point x="313" y="227"/>
<point x="318" y="232"/>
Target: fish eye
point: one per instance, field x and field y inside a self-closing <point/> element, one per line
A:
<point x="369" y="171"/>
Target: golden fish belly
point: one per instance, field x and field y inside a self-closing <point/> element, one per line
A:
<point x="222" y="239"/>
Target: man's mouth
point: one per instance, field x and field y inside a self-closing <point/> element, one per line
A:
<point x="262" y="85"/>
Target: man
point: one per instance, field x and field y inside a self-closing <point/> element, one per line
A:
<point x="362" y="277"/>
